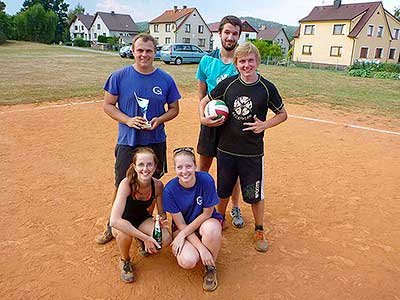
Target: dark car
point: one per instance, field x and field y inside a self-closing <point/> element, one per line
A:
<point x="126" y="51"/>
<point x="181" y="53"/>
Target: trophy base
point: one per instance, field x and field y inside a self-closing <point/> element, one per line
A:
<point x="147" y="125"/>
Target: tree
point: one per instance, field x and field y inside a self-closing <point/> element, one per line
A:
<point x="4" y="23"/>
<point x="397" y="13"/>
<point x="79" y="9"/>
<point x="267" y="49"/>
<point x="58" y="7"/>
<point x="36" y="24"/>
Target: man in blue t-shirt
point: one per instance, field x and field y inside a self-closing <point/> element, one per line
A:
<point x="135" y="96"/>
<point x="212" y="70"/>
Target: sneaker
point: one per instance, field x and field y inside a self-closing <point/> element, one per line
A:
<point x="105" y="237"/>
<point x="260" y="241"/>
<point x="126" y="270"/>
<point x="141" y="248"/>
<point x="210" y="282"/>
<point x="237" y="220"/>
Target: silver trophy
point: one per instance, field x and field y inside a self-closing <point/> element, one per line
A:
<point x="144" y="105"/>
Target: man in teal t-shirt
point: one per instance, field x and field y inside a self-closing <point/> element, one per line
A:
<point x="213" y="69"/>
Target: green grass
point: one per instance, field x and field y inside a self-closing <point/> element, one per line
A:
<point x="37" y="72"/>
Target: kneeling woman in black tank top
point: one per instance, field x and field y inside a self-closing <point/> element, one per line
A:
<point x="131" y="215"/>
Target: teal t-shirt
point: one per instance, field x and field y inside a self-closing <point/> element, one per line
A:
<point x="212" y="70"/>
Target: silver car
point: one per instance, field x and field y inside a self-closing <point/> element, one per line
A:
<point x="181" y="53"/>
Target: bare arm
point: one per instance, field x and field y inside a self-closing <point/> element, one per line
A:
<point x="201" y="89"/>
<point x="110" y="108"/>
<point x="187" y="232"/>
<point x="208" y="121"/>
<point x="125" y="226"/>
<point x="258" y="126"/>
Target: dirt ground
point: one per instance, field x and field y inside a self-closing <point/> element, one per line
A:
<point x="332" y="211"/>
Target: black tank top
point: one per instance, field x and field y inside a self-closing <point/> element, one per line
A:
<point x="135" y="208"/>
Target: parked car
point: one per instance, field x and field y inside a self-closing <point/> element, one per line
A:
<point x="126" y="51"/>
<point x="181" y="53"/>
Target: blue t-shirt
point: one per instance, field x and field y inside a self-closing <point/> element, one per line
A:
<point x="190" y="202"/>
<point x="133" y="89"/>
<point x="212" y="70"/>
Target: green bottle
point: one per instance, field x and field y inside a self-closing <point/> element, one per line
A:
<point x="157" y="233"/>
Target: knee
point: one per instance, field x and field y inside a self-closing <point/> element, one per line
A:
<point x="166" y="238"/>
<point x="123" y="238"/>
<point x="187" y="261"/>
<point x="212" y="232"/>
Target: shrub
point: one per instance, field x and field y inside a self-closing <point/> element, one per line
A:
<point x="80" y="42"/>
<point x="387" y="75"/>
<point x="102" y="39"/>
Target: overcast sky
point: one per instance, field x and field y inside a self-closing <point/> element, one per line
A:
<point x="286" y="12"/>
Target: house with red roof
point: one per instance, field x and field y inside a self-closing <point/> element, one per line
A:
<point x="181" y="25"/>
<point x="276" y="35"/>
<point x="248" y="33"/>
<point x="341" y="34"/>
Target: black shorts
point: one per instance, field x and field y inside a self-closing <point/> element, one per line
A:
<point x="123" y="159"/>
<point x="208" y="141"/>
<point x="250" y="171"/>
<point x="138" y="219"/>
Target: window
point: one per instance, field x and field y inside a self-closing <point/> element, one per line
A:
<point x="392" y="53"/>
<point x="98" y="26"/>
<point x="187" y="27"/>
<point x="202" y="43"/>
<point x="186" y="40"/>
<point x="201" y="29"/>
<point x="380" y="31"/>
<point x="396" y="33"/>
<point x="364" y="52"/>
<point x="95" y="35"/>
<point x="378" y="52"/>
<point x="168" y="27"/>
<point x="82" y="27"/>
<point x="76" y="27"/>
<point x="156" y="29"/>
<point x="338" y="29"/>
<point x="90" y="36"/>
<point x="307" y="50"/>
<point x="370" y="30"/>
<point x="336" y="51"/>
<point x="309" y="29"/>
<point x="168" y="40"/>
<point x="246" y="36"/>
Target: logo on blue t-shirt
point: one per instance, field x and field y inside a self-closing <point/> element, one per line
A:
<point x="199" y="200"/>
<point x="157" y="90"/>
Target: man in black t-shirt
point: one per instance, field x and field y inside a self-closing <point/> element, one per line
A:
<point x="241" y="147"/>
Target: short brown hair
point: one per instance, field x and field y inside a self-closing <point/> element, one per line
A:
<point x="245" y="49"/>
<point x="233" y="20"/>
<point x="145" y="37"/>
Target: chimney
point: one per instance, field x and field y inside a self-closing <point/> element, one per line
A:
<point x="337" y="3"/>
<point x="184" y="6"/>
<point x="175" y="8"/>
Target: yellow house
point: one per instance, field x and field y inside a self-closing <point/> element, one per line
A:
<point x="341" y="34"/>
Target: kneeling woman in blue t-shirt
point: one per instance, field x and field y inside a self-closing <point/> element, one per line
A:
<point x="190" y="198"/>
<point x="130" y="217"/>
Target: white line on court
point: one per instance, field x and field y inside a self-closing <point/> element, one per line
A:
<point x="291" y="116"/>
<point x="346" y="125"/>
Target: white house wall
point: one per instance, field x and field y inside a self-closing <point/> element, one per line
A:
<point x="194" y="36"/>
<point x="102" y="31"/>
<point x="81" y="32"/>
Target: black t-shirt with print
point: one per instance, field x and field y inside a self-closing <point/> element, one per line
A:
<point x="244" y="101"/>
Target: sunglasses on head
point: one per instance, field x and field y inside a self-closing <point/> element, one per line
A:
<point x="184" y="149"/>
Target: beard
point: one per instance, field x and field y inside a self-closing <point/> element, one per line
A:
<point x="229" y="47"/>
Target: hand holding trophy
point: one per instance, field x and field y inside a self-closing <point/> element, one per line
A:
<point x="144" y="105"/>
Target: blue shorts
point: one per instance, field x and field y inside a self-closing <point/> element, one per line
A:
<point x="249" y="170"/>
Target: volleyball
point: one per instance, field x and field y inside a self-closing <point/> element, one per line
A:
<point x="216" y="109"/>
